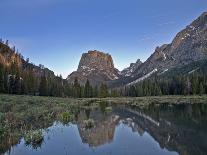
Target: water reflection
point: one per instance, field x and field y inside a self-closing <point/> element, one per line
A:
<point x="155" y="129"/>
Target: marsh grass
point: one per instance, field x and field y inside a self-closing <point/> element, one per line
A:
<point x="20" y="114"/>
<point x="66" y="117"/>
<point x="34" y="138"/>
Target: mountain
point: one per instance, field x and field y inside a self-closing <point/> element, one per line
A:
<point x="19" y="76"/>
<point x="95" y="66"/>
<point x="9" y="57"/>
<point x="189" y="45"/>
<point x="127" y="72"/>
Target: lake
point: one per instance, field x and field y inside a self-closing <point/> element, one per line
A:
<point x="157" y="129"/>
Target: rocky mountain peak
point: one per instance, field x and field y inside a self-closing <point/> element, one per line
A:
<point x="138" y="61"/>
<point x="96" y="60"/>
<point x="95" y="66"/>
<point x="201" y="20"/>
<point x="188" y="46"/>
<point x="129" y="70"/>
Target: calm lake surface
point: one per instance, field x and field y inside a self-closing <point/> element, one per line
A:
<point x="163" y="129"/>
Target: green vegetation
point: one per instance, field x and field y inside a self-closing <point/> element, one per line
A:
<point x="2" y="132"/>
<point x="66" y="117"/>
<point x="34" y="138"/>
<point x="108" y="109"/>
<point x="19" y="76"/>
<point x="25" y="113"/>
<point x="30" y="112"/>
<point x="89" y="123"/>
<point x="186" y="80"/>
<point x="23" y="116"/>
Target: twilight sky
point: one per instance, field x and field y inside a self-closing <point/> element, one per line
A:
<point x="55" y="33"/>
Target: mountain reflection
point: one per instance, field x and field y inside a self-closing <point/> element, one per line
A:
<point x="180" y="128"/>
<point x="101" y="133"/>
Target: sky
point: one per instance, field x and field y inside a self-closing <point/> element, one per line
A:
<point x="55" y="33"/>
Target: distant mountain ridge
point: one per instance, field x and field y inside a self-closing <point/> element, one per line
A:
<point x="189" y="45"/>
<point x="19" y="76"/>
<point x="8" y="56"/>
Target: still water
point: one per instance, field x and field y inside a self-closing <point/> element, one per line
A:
<point x="125" y="130"/>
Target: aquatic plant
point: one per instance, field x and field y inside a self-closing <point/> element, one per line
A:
<point x="2" y="132"/>
<point x="66" y="117"/>
<point x="89" y="123"/>
<point x="34" y="138"/>
<point x="108" y="109"/>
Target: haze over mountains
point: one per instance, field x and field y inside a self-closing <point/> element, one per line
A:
<point x="188" y="46"/>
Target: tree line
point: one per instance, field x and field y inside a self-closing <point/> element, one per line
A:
<point x="19" y="76"/>
<point x="14" y="80"/>
<point x="189" y="84"/>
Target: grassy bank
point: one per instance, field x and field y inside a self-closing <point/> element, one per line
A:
<point x="23" y="116"/>
<point x="23" y="112"/>
<point x="20" y="103"/>
<point x="159" y="100"/>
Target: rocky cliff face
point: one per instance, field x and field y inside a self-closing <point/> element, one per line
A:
<point x="188" y="46"/>
<point x="95" y="66"/>
<point x="127" y="72"/>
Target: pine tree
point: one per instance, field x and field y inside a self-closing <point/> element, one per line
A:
<point x="115" y="93"/>
<point x="201" y="89"/>
<point x="1" y="79"/>
<point x="11" y="83"/>
<point x="95" y="91"/>
<point x="132" y="91"/>
<point x="87" y="90"/>
<point x="103" y="92"/>
<point x="76" y="89"/>
<point x="43" y="86"/>
<point x="17" y="85"/>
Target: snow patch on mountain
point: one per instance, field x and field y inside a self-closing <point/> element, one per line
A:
<point x="143" y="77"/>
<point x="193" y="71"/>
<point x="164" y="71"/>
<point x="127" y="72"/>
